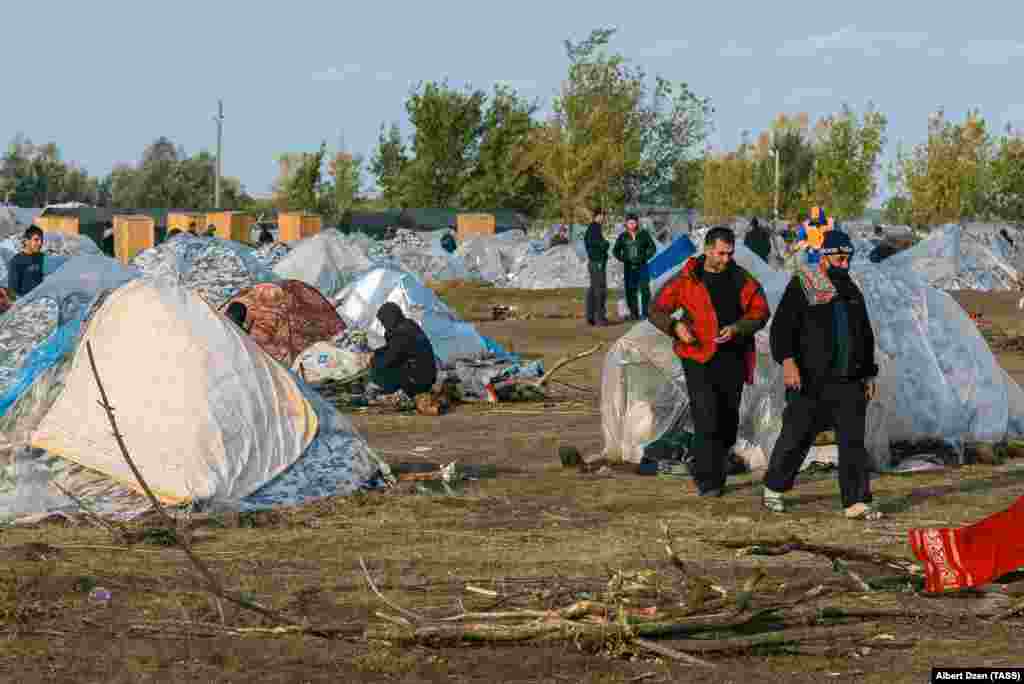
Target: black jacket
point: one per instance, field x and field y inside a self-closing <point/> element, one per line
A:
<point x="597" y="246"/>
<point x="635" y="252"/>
<point x="759" y="241"/>
<point x="407" y="347"/>
<point x="25" y="272"/>
<point x="804" y="331"/>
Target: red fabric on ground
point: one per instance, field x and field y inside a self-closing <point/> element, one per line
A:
<point x="957" y="558"/>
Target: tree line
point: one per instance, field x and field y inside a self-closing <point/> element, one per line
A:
<point x="614" y="137"/>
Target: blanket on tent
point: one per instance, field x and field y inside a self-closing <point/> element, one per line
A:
<point x="974" y="555"/>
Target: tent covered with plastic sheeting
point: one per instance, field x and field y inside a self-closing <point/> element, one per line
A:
<point x="494" y="257"/>
<point x="216" y="269"/>
<point x="328" y="261"/>
<point x="270" y="254"/>
<point x="56" y="244"/>
<point x="561" y="266"/>
<point x="45" y="324"/>
<point x="210" y="419"/>
<point x="955" y="259"/>
<point x="938" y="378"/>
<point x="451" y="338"/>
<point x="286" y="317"/>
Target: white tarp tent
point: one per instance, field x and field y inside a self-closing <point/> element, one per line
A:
<point x="328" y="261"/>
<point x="451" y="337"/>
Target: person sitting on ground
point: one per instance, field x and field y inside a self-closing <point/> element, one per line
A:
<point x="758" y="240"/>
<point x="266" y="237"/>
<point x="25" y="271"/>
<point x="448" y="243"/>
<point x="237" y="312"/>
<point x="406" y="362"/>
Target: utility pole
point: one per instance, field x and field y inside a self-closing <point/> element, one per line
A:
<point x="220" y="130"/>
<point x="775" y="151"/>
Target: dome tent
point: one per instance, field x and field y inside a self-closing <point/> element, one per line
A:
<point x="287" y="316"/>
<point x="938" y="378"/>
<point x="209" y="418"/>
<point x="328" y="261"/>
<point x="216" y="269"/>
<point x="451" y="338"/>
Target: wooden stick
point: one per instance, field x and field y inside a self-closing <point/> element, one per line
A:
<point x="373" y="587"/>
<point x="182" y="539"/>
<point x="671" y="653"/>
<point x="782" y="547"/>
<point x="564" y="362"/>
<point x="116" y="531"/>
<point x="788" y="636"/>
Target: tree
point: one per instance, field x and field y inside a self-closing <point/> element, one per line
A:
<point x="447" y="129"/>
<point x="688" y="183"/>
<point x="592" y="139"/>
<point x="846" y="161"/>
<point x="388" y="164"/>
<point x="947" y="178"/>
<point x="499" y="178"/>
<point x="300" y="185"/>
<point x="1007" y="191"/>
<point x="346" y="172"/>
<point x="674" y="124"/>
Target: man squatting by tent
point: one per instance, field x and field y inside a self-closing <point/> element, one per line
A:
<point x="634" y="248"/>
<point x="406" y="362"/>
<point x="25" y="271"/>
<point x="822" y="336"/>
<point x="597" y="265"/>
<point x="712" y="308"/>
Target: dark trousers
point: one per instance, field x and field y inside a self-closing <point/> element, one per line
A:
<point x="390" y="380"/>
<point x="638" y="286"/>
<point x="597" y="293"/>
<point x="715" y="390"/>
<point x="838" y="403"/>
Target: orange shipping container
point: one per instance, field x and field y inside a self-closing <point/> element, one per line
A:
<point x="293" y="226"/>
<point x="133" y="234"/>
<point x="183" y="221"/>
<point x="231" y="225"/>
<point x="468" y="225"/>
<point x="68" y="225"/>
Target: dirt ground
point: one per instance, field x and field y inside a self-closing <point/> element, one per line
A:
<point x="536" y="535"/>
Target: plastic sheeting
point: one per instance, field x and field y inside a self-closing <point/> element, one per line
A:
<point x="955" y="259"/>
<point x="451" y="338"/>
<point x="270" y="254"/>
<point x="328" y="261"/>
<point x="216" y="269"/>
<point x="561" y="266"/>
<point x="938" y="378"/>
<point x="45" y="324"/>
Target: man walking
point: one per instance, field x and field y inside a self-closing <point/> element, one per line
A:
<point x="822" y="336"/>
<point x="597" y="264"/>
<point x="712" y="308"/>
<point x="634" y="248"/>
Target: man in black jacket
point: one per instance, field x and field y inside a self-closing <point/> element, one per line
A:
<point x="597" y="264"/>
<point x="634" y="248"/>
<point x="406" y="362"/>
<point x="758" y="240"/>
<point x="822" y="336"/>
<point x="25" y="271"/>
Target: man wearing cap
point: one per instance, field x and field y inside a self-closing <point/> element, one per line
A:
<point x="634" y="248"/>
<point x="822" y="336"/>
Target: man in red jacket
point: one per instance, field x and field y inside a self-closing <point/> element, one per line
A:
<point x="712" y="308"/>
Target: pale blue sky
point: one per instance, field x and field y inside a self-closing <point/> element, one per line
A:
<point x="104" y="78"/>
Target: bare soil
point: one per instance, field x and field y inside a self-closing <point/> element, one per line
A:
<point x="536" y="533"/>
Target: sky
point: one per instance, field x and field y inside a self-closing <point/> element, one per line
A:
<point x="103" y="79"/>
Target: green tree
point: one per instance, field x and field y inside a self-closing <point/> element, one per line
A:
<point x="846" y="161"/>
<point x="346" y="171"/>
<point x="1006" y="197"/>
<point x="301" y="186"/>
<point x="388" y="164"/>
<point x="447" y="127"/>
<point x="499" y="178"/>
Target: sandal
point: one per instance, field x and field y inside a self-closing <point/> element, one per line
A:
<point x="863" y="511"/>
<point x="773" y="501"/>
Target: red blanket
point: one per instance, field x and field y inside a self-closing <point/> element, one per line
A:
<point x="974" y="555"/>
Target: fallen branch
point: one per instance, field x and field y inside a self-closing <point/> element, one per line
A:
<point x="564" y="362"/>
<point x="117" y="532"/>
<point x="671" y="653"/>
<point x="213" y="585"/>
<point x="393" y="606"/>
<point x="782" y="547"/>
<point x="790" y="636"/>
